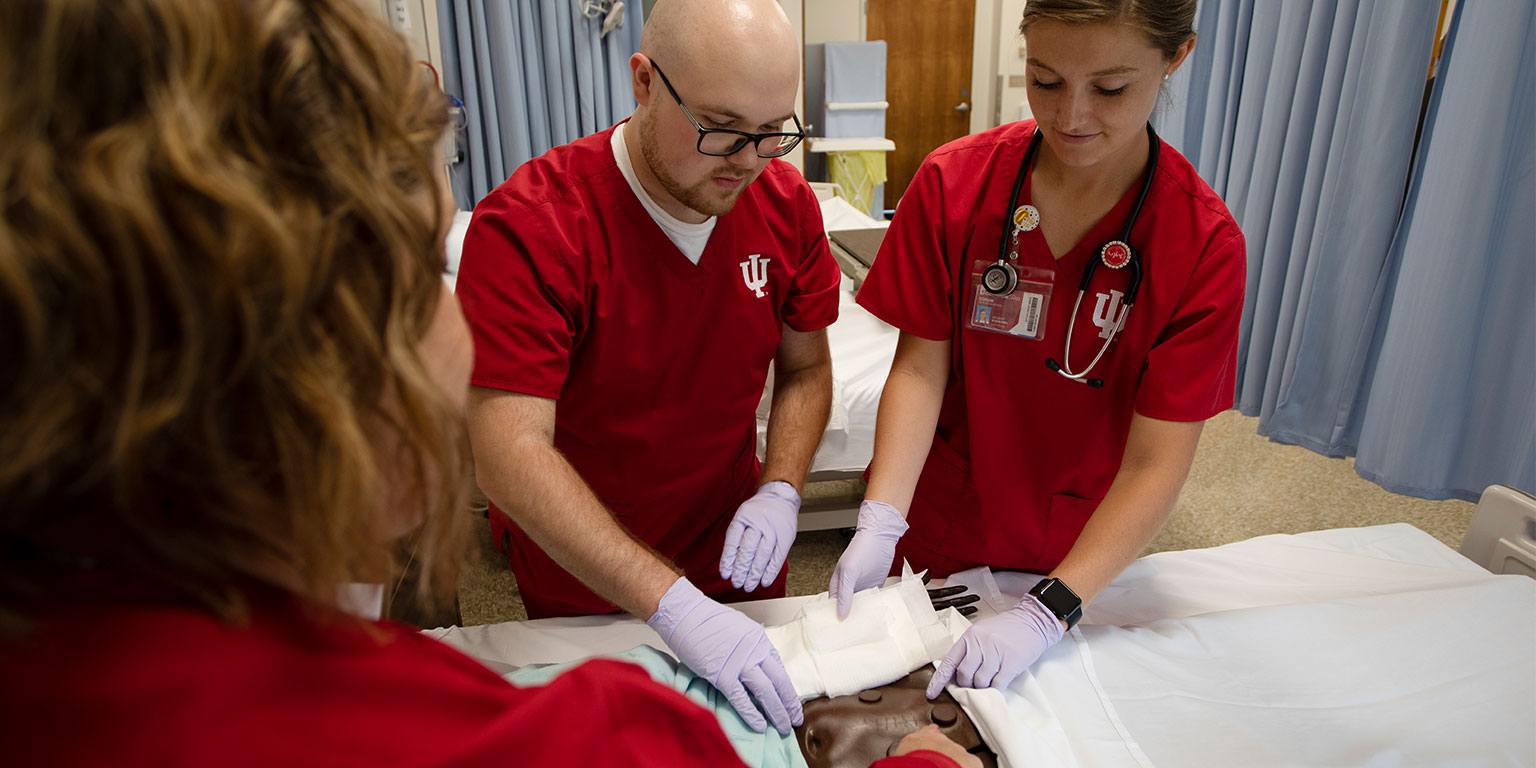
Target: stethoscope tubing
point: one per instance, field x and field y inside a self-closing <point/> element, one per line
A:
<point x="1134" y="262"/>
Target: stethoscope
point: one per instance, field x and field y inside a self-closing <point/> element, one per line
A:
<point x="1001" y="278"/>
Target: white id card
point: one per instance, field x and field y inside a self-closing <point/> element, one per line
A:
<point x="1021" y="313"/>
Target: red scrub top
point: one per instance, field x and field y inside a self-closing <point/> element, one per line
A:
<point x="574" y="293"/>
<point x="156" y="685"/>
<point x="1022" y="456"/>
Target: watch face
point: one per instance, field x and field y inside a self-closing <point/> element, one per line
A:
<point x="1057" y="597"/>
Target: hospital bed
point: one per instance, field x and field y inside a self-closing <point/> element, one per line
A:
<point x="1366" y="646"/>
<point x="1502" y="537"/>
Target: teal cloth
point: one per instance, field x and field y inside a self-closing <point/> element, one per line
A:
<point x="759" y="750"/>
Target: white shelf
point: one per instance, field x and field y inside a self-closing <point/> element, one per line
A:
<point x="837" y="106"/>
<point x="873" y="144"/>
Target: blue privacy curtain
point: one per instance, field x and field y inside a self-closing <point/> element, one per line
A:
<point x="1452" y="390"/>
<point x="533" y="74"/>
<point x="1303" y="117"/>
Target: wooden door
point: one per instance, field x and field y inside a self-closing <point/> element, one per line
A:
<point x="929" y="46"/>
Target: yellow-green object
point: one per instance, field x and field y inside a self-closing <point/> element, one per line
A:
<point x="858" y="172"/>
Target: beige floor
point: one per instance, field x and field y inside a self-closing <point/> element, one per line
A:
<point x="1241" y="486"/>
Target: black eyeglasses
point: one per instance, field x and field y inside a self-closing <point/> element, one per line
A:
<point x="724" y="142"/>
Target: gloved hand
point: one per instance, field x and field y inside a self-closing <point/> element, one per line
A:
<point x="731" y="651"/>
<point x="760" y="535"/>
<point x="867" y="560"/>
<point x="997" y="649"/>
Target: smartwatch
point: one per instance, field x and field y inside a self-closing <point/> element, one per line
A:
<point x="1060" y="600"/>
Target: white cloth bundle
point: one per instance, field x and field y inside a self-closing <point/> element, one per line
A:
<point x="889" y="632"/>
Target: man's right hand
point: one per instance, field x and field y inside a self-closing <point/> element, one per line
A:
<point x="732" y="652"/>
<point x="867" y="560"/>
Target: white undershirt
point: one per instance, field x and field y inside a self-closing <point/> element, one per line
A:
<point x="689" y="238"/>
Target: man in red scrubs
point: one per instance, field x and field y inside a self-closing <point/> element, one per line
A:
<point x="627" y="293"/>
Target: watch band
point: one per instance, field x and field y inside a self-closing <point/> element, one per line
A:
<point x="1059" y="599"/>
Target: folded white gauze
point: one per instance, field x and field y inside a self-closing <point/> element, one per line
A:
<point x="889" y="632"/>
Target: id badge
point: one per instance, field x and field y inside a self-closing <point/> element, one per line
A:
<point x="1022" y="313"/>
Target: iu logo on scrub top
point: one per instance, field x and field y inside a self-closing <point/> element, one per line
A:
<point x="1107" y="320"/>
<point x="754" y="272"/>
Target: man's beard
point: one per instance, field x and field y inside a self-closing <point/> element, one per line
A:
<point x="698" y="197"/>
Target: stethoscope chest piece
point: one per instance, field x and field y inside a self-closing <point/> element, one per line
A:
<point x="1000" y="279"/>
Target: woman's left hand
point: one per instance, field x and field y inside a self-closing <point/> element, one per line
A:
<point x="997" y="649"/>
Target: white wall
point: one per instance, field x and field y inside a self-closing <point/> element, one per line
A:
<point x="796" y="12"/>
<point x="416" y="20"/>
<point x="1012" y="102"/>
<point x="834" y="21"/>
<point x="984" y="67"/>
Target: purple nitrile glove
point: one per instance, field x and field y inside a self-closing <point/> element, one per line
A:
<point x="760" y="535"/>
<point x="867" y="560"/>
<point x="731" y="651"/>
<point x="997" y="649"/>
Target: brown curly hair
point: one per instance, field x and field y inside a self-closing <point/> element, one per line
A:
<point x="221" y="231"/>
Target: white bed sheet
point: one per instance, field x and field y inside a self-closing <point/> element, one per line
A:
<point x="862" y="348"/>
<point x="1369" y="646"/>
<point x="837" y="213"/>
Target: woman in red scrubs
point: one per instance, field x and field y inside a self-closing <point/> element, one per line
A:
<point x="1068" y="291"/>
<point x="234" y="381"/>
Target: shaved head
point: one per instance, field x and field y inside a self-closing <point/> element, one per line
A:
<point x="710" y="34"/>
<point x="735" y="64"/>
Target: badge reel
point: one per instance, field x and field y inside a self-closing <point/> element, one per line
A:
<point x="1010" y="299"/>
